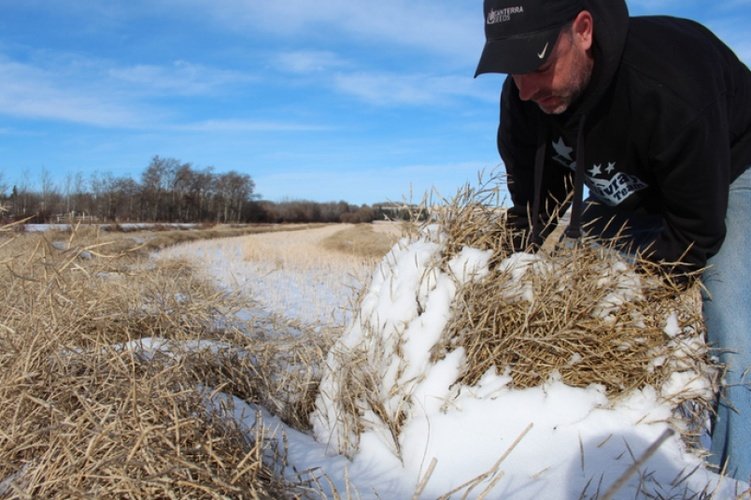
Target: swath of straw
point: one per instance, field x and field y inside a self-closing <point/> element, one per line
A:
<point x="82" y="418"/>
<point x="563" y="328"/>
<point x="571" y="326"/>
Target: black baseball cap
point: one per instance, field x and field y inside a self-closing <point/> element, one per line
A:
<point x="520" y="34"/>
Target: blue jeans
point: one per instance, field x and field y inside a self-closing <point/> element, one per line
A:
<point x="727" y="314"/>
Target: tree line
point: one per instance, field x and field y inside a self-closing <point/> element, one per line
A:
<point x="170" y="191"/>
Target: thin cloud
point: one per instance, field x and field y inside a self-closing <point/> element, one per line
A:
<point x="308" y="61"/>
<point x="446" y="28"/>
<point x="31" y="92"/>
<point x="240" y="126"/>
<point x="180" y="77"/>
<point x="100" y="93"/>
<point x="389" y="89"/>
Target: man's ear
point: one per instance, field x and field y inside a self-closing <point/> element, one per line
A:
<point x="583" y="29"/>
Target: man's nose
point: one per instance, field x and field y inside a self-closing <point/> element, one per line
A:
<point x="526" y="85"/>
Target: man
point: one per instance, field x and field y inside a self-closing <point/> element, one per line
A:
<point x="653" y="114"/>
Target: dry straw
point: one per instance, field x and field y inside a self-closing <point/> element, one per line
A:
<point x="580" y="312"/>
<point x="83" y="416"/>
<point x="584" y="320"/>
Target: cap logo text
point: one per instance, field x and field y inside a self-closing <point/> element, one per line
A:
<point x="498" y="16"/>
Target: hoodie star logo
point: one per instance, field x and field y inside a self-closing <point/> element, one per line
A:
<point x="595" y="170"/>
<point x="563" y="150"/>
<point x="610" y="168"/>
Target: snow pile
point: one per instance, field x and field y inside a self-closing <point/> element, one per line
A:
<point x="394" y="400"/>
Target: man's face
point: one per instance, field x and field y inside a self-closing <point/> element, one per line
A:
<point x="563" y="77"/>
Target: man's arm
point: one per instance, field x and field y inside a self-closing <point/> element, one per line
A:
<point x="692" y="169"/>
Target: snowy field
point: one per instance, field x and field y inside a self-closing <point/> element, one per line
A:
<point x="42" y="228"/>
<point x="301" y="282"/>
<point x="483" y="441"/>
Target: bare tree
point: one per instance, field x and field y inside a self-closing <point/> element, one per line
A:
<point x="125" y="194"/>
<point x="74" y="191"/>
<point x="48" y="192"/>
<point x="102" y="196"/>
<point x="152" y="181"/>
<point x="3" y="208"/>
<point x="168" y="191"/>
<point x="202" y="188"/>
<point x="233" y="190"/>
<point x="23" y="195"/>
<point x="80" y="195"/>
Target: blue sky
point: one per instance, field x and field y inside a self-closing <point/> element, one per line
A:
<point x="323" y="100"/>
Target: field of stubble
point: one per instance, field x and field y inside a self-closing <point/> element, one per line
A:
<point x="107" y="355"/>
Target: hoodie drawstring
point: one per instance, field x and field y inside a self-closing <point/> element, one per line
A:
<point x="574" y="228"/>
<point x="542" y="139"/>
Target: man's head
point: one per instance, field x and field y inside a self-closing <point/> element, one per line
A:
<point x="545" y="45"/>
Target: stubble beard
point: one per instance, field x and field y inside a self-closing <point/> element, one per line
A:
<point x="572" y="90"/>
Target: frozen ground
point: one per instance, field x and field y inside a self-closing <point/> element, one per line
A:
<point x="41" y="228"/>
<point x="552" y="442"/>
<point x="287" y="273"/>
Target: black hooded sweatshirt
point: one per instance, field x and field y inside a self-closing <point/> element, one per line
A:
<point x="663" y="128"/>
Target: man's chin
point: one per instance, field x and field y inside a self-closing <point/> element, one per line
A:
<point x="553" y="106"/>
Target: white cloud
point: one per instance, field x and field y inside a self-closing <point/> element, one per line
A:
<point x="415" y="89"/>
<point x="32" y="92"/>
<point x="216" y="126"/>
<point x="180" y="78"/>
<point x="445" y="27"/>
<point x="308" y="61"/>
<point x="102" y="93"/>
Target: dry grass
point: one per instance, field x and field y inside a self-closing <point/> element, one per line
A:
<point x="114" y="240"/>
<point x="81" y="415"/>
<point x="299" y="273"/>
<point x="578" y="311"/>
<point x="583" y="321"/>
<point x="567" y="328"/>
<point x="311" y="249"/>
<point x="371" y="241"/>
